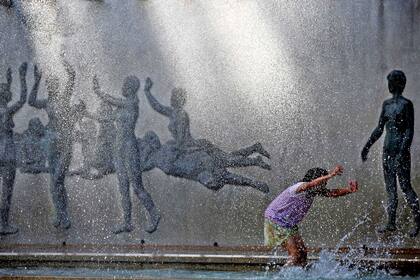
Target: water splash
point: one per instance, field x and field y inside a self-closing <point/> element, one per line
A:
<point x="332" y="264"/>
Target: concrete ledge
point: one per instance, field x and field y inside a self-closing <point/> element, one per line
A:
<point x="242" y="258"/>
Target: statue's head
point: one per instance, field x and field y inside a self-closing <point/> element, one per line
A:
<point x="178" y="98"/>
<point x="396" y="81"/>
<point x="53" y="87"/>
<point x="131" y="86"/>
<point x="36" y="127"/>
<point x="153" y="140"/>
<point x="5" y="93"/>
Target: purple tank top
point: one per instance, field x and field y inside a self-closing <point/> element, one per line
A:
<point x="289" y="208"/>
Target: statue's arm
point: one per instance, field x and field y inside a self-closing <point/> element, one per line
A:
<point x="24" y="90"/>
<point x="71" y="73"/>
<point x="9" y="76"/>
<point x="409" y="133"/>
<point x="33" y="96"/>
<point x="376" y="134"/>
<point x="118" y="102"/>
<point x="99" y="118"/>
<point x="164" y="110"/>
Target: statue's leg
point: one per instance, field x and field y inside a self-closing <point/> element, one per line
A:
<point x="53" y="161"/>
<point x="210" y="180"/>
<point x="404" y="177"/>
<point x="238" y="180"/>
<point x="139" y="190"/>
<point x="6" y="199"/>
<point x="148" y="203"/>
<point x="124" y="187"/>
<point x="244" y="162"/>
<point x="58" y="190"/>
<point x="247" y="151"/>
<point x="390" y="175"/>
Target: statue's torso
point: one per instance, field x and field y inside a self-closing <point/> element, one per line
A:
<point x="126" y="119"/>
<point x="397" y="122"/>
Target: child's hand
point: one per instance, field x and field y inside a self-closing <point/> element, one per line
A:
<point x="353" y="186"/>
<point x="338" y="170"/>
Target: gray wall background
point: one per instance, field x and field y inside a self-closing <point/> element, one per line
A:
<point x="305" y="78"/>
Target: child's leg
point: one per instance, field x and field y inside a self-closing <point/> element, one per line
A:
<point x="297" y="251"/>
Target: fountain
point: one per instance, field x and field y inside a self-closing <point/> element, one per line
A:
<point x="243" y="97"/>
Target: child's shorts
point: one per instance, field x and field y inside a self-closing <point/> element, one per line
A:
<point x="275" y="235"/>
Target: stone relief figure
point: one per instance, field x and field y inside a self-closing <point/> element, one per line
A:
<point x="62" y="116"/>
<point x="105" y="147"/>
<point x="185" y="148"/>
<point x="86" y="136"/>
<point x="6" y="3"/>
<point x="33" y="148"/>
<point x="7" y="146"/>
<point x="397" y="117"/>
<point x="127" y="154"/>
<point x="193" y="164"/>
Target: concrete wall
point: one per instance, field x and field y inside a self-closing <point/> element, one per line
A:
<point x="306" y="79"/>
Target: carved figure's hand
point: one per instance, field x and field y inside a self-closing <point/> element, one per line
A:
<point x="364" y="154"/>
<point x="148" y="84"/>
<point x="81" y="107"/>
<point x="22" y="69"/>
<point x="95" y="82"/>
<point x="9" y="75"/>
<point x="37" y="73"/>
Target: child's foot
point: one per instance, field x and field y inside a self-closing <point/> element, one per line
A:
<point x="387" y="228"/>
<point x="123" y="228"/>
<point x="292" y="263"/>
<point x="308" y="266"/>
<point x="260" y="149"/>
<point x="6" y="230"/>
<point x="155" y="222"/>
<point x="262" y="164"/>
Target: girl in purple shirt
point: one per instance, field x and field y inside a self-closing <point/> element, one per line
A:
<point x="288" y="209"/>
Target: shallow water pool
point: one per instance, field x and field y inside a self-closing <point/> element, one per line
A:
<point x="289" y="273"/>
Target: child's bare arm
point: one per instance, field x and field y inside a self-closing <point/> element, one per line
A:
<point x="338" y="170"/>
<point x="352" y="188"/>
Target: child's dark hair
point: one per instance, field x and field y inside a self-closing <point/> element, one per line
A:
<point x="314" y="173"/>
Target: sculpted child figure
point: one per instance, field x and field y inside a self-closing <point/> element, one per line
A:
<point x="183" y="147"/>
<point x="397" y="117"/>
<point x="34" y="148"/>
<point x="7" y="145"/>
<point x="62" y="116"/>
<point x="127" y="155"/>
<point x="179" y="127"/>
<point x="105" y="143"/>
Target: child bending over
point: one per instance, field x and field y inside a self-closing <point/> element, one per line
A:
<point x="289" y="208"/>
